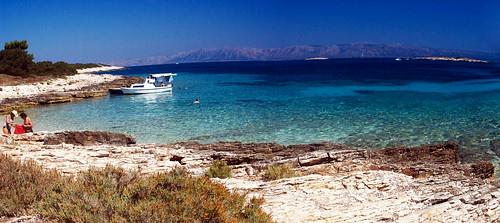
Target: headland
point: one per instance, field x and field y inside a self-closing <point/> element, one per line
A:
<point x="54" y="90"/>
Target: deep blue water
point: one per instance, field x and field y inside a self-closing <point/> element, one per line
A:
<point x="362" y="102"/>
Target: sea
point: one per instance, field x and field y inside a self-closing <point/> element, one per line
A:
<point x="369" y="103"/>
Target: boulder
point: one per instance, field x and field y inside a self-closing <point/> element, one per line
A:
<point x="483" y="169"/>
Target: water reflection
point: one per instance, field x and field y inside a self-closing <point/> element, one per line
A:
<point x="151" y="98"/>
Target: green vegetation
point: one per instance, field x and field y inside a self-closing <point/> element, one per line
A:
<point x="16" y="61"/>
<point x="114" y="195"/>
<point x="21" y="185"/>
<point x="16" y="44"/>
<point x="279" y="171"/>
<point x="219" y="169"/>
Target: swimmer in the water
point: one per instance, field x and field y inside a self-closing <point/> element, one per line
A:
<point x="196" y="101"/>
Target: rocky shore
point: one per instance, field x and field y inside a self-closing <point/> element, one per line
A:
<point x="61" y="90"/>
<point x="334" y="183"/>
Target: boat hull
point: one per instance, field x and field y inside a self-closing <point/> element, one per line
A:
<point x="115" y="91"/>
<point x="145" y="90"/>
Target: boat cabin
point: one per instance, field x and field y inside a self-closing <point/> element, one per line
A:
<point x="160" y="80"/>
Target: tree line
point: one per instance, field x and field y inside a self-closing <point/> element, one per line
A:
<point x="15" y="60"/>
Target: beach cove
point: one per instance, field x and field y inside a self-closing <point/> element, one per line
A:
<point x="383" y="103"/>
<point x="406" y="171"/>
<point x="258" y="111"/>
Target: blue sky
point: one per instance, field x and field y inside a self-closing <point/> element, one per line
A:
<point x="100" y="31"/>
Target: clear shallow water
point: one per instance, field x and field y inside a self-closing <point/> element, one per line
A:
<point x="345" y="101"/>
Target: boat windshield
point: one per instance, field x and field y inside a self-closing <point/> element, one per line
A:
<point x="161" y="81"/>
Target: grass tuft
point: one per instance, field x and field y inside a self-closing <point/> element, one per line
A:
<point x="279" y="171"/>
<point x="219" y="169"/>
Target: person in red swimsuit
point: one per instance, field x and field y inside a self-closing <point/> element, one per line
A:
<point x="27" y="123"/>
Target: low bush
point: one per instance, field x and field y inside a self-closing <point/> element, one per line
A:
<point x="47" y="68"/>
<point x="219" y="169"/>
<point x="21" y="184"/>
<point x="85" y="65"/>
<point x="114" y="195"/>
<point x="279" y="171"/>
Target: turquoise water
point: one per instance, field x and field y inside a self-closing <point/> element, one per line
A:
<point x="259" y="108"/>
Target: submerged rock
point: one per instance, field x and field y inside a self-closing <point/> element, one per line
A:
<point x="445" y="153"/>
<point x="89" y="138"/>
<point x="495" y="147"/>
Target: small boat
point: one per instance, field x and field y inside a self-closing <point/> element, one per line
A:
<point x="154" y="83"/>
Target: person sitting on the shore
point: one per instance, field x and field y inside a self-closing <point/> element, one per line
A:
<point x="10" y="126"/>
<point x="27" y="123"/>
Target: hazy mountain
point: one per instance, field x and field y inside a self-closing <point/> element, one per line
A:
<point x="302" y="52"/>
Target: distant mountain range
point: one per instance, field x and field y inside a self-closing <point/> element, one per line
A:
<point x="355" y="50"/>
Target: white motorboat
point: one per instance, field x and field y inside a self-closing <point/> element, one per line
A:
<point x="154" y="83"/>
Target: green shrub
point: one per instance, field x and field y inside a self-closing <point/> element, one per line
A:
<point x="21" y="184"/>
<point x="85" y="65"/>
<point x="16" y="61"/>
<point x="114" y="195"/>
<point x="16" y="44"/>
<point x="94" y="196"/>
<point x="219" y="169"/>
<point x="279" y="171"/>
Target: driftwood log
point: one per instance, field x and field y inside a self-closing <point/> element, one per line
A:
<point x="334" y="156"/>
<point x="316" y="161"/>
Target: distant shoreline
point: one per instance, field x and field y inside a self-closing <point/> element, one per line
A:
<point x="323" y="59"/>
<point x="302" y="52"/>
<point x="457" y="59"/>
